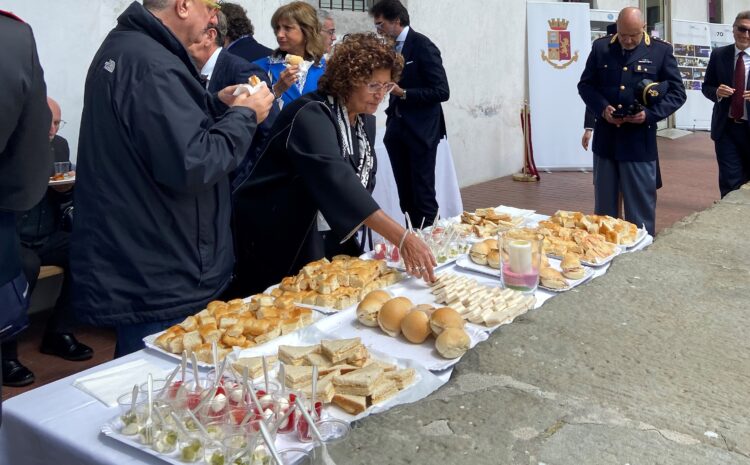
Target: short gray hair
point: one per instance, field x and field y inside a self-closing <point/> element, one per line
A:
<point x="156" y="5"/>
<point x="741" y="15"/>
<point x="220" y="28"/>
<point x="324" y="15"/>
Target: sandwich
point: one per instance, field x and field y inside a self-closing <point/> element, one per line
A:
<point x="443" y="318"/>
<point x="321" y="361"/>
<point x="351" y="404"/>
<point x="324" y="390"/>
<point x="384" y="390"/>
<point x="390" y="316"/>
<point x="367" y="311"/>
<point x="360" y="382"/>
<point x="571" y="267"/>
<point x="292" y="355"/>
<point x="493" y="259"/>
<point x="478" y="253"/>
<point x="293" y="60"/>
<point x="254" y="81"/>
<point x="402" y="378"/>
<point x="338" y="350"/>
<point x="552" y="279"/>
<point x="254" y="365"/>
<point x="452" y="343"/>
<point x="415" y="326"/>
<point x="296" y="377"/>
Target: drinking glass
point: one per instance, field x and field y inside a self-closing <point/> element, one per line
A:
<point x="520" y="257"/>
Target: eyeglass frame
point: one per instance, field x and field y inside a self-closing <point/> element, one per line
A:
<point x="380" y="87"/>
<point x="329" y="31"/>
<point x="60" y="124"/>
<point x="742" y="30"/>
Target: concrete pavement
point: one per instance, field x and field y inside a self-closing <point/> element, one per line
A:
<point x="649" y="364"/>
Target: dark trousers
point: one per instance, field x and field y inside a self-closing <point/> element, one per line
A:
<point x="414" y="171"/>
<point x="637" y="182"/>
<point x="52" y="252"/>
<point x="733" y="156"/>
<point x="130" y="337"/>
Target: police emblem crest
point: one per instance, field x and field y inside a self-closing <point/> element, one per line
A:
<point x="559" y="54"/>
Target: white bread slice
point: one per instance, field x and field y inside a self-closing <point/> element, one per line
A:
<point x="295" y="355"/>
<point x="384" y="390"/>
<point x="402" y="378"/>
<point x="340" y="349"/>
<point x="359" y="382"/>
<point x="254" y="365"/>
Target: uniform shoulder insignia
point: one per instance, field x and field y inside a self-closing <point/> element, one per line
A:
<point x="658" y="39"/>
<point x="10" y="15"/>
<point x="607" y="37"/>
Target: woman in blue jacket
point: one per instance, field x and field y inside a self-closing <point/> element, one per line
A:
<point x="298" y="33"/>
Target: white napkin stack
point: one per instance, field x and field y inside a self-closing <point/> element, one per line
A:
<point x="107" y="385"/>
<point x="248" y="89"/>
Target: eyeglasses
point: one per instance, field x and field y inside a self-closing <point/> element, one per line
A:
<point x="59" y="124"/>
<point x="376" y="87"/>
<point x="742" y="30"/>
<point x="330" y="32"/>
<point x="214" y="5"/>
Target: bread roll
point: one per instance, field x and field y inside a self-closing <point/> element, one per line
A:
<point x="426" y="308"/>
<point x="551" y="278"/>
<point x="493" y="259"/>
<point x="491" y="243"/>
<point x="415" y="326"/>
<point x="367" y="311"/>
<point x="293" y="59"/>
<point x="478" y="253"/>
<point x="379" y="295"/>
<point x="452" y="343"/>
<point x="443" y="318"/>
<point x="391" y="314"/>
<point x="571" y="267"/>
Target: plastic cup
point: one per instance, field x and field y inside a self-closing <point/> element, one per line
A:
<point x="131" y="417"/>
<point x="296" y="456"/>
<point x="190" y="448"/>
<point x="304" y="434"/>
<point x="62" y="167"/>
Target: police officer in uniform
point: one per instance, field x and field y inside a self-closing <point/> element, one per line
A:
<point x="625" y="151"/>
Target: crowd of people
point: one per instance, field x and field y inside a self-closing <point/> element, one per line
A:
<point x="190" y="188"/>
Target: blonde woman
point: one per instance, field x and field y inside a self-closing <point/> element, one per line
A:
<point x="298" y="33"/>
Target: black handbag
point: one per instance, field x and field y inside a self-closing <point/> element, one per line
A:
<point x="14" y="303"/>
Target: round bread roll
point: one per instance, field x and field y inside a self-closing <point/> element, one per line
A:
<point x="391" y="314"/>
<point x="443" y="318"/>
<point x="416" y="326"/>
<point x="452" y="343"/>
<point x="493" y="259"/>
<point x="426" y="308"/>
<point x="378" y="295"/>
<point x="491" y="243"/>
<point x="367" y="311"/>
<point x="293" y="59"/>
<point x="478" y="253"/>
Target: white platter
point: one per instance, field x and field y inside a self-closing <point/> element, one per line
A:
<point x="399" y="265"/>
<point x="150" y="343"/>
<point x="466" y="263"/>
<point x="639" y="237"/>
<point x="62" y="182"/>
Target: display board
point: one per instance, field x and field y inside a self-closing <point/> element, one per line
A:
<point x="692" y="49"/>
<point x="559" y="42"/>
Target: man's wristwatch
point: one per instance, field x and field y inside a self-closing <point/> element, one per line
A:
<point x="403" y="96"/>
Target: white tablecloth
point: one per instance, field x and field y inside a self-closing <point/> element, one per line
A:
<point x="446" y="184"/>
<point x="58" y="424"/>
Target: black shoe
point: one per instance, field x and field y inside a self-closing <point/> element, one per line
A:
<point x="65" y="345"/>
<point x="15" y="374"/>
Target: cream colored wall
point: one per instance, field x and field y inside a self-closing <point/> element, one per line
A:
<point x="690" y="10"/>
<point x="732" y="7"/>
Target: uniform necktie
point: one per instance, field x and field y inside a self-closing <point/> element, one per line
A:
<point x="737" y="105"/>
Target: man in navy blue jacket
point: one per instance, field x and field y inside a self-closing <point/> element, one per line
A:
<point x="624" y="147"/>
<point x="727" y="85"/>
<point x="240" y="30"/>
<point x="415" y="121"/>
<point x="151" y="238"/>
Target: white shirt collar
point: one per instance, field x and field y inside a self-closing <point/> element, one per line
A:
<point x="402" y="37"/>
<point x="208" y="68"/>
<point x="737" y="50"/>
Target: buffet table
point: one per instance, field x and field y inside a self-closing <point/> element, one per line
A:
<point x="60" y="424"/>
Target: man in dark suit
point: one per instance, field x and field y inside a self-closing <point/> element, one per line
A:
<point x="726" y="84"/>
<point x="222" y="69"/>
<point x="625" y="150"/>
<point x="25" y="159"/>
<point x="239" y="37"/>
<point x="415" y="121"/>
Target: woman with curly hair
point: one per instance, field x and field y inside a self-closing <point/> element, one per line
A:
<point x="298" y="33"/>
<point x="317" y="173"/>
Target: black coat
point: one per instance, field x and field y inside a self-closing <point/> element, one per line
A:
<point x="301" y="171"/>
<point x="249" y="49"/>
<point x="720" y="70"/>
<point x="426" y="85"/>
<point x="151" y="238"/>
<point x="25" y="158"/>
<point x="610" y="79"/>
